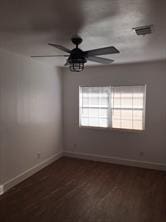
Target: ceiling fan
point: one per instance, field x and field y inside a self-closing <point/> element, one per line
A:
<point x="77" y="57"/>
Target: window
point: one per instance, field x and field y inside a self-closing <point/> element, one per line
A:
<point x="94" y="106"/>
<point x="120" y="107"/>
<point x="128" y="107"/>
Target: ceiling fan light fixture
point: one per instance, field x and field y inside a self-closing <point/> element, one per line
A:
<point x="77" y="67"/>
<point x="76" y="61"/>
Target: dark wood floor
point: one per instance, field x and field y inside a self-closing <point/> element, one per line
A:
<point x="74" y="190"/>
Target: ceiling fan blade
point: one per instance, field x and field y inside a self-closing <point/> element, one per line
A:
<point x="60" y="47"/>
<point x="40" y="56"/>
<point x="102" y="51"/>
<point x="100" y="60"/>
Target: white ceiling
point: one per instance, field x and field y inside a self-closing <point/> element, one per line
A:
<point x="26" y="26"/>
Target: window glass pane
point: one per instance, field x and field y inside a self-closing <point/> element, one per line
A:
<point x="103" y="122"/>
<point x="84" y="121"/>
<point x="116" y="114"/>
<point x="126" y="102"/>
<point x="126" y="114"/>
<point x="138" y="95"/>
<point x="103" y="102"/>
<point x="137" y="115"/>
<point x="93" y="112"/>
<point x="138" y="103"/>
<point x="94" y="106"/>
<point x="116" y="95"/>
<point x="127" y="124"/>
<point x="93" y="101"/>
<point x="137" y="125"/>
<point x="126" y="94"/>
<point x="116" y="103"/>
<point x="85" y="101"/>
<point x="93" y="122"/>
<point x="85" y="112"/>
<point x="103" y="113"/>
<point x="128" y="107"/>
<point x="116" y="123"/>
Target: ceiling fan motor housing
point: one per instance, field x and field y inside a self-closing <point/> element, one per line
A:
<point x="77" y="56"/>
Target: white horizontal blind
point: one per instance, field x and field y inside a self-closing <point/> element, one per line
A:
<point x="94" y="104"/>
<point x="128" y="107"/>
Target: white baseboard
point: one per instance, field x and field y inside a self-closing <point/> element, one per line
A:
<point x="1" y="189"/>
<point x="109" y="159"/>
<point x="19" y="178"/>
<point x="117" y="160"/>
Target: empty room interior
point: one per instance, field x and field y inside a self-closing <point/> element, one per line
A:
<point x="83" y="111"/>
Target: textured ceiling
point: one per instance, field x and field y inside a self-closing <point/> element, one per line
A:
<point x="26" y="26"/>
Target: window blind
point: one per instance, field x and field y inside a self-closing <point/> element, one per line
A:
<point x="94" y="104"/>
<point x="128" y="107"/>
<point x="120" y="107"/>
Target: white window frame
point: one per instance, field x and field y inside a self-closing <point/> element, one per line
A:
<point x="142" y="109"/>
<point x="94" y="127"/>
<point x="110" y="111"/>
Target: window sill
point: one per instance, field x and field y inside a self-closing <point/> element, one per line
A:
<point x="113" y="129"/>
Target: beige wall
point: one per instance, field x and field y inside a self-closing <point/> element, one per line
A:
<point x="125" y="145"/>
<point x="30" y="114"/>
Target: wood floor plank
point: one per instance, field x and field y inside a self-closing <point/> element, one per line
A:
<point x="72" y="190"/>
